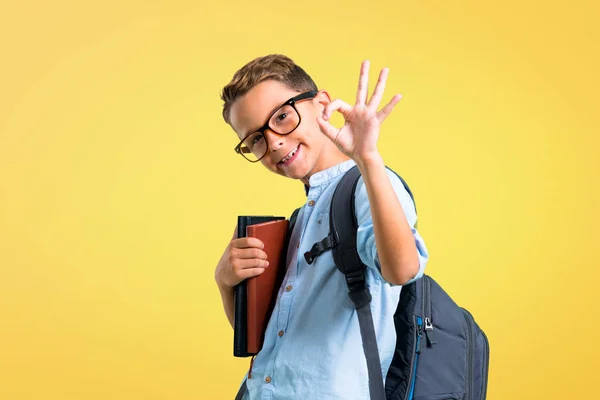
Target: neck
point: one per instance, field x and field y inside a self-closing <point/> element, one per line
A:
<point x="329" y="157"/>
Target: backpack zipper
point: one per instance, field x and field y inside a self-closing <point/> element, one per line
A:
<point x="470" y="358"/>
<point x="413" y="371"/>
<point x="485" y="364"/>
<point x="428" y="322"/>
<point x="424" y="291"/>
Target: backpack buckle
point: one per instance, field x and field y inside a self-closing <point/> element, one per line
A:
<point x="320" y="247"/>
<point x="359" y="293"/>
<point x="356" y="281"/>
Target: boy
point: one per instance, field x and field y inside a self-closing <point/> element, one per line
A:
<point x="312" y="347"/>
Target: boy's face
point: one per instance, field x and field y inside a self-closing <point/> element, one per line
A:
<point x="313" y="150"/>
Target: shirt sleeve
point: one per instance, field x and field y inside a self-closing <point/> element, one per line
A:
<point x="365" y="240"/>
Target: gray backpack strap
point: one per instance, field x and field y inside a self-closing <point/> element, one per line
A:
<point x="342" y="242"/>
<point x="293" y="218"/>
<point x="343" y="227"/>
<point x="292" y="223"/>
<point x="241" y="392"/>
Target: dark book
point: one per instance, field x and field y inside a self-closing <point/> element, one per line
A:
<point x="254" y="298"/>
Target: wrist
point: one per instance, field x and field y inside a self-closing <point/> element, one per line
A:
<point x="368" y="162"/>
<point x="224" y="289"/>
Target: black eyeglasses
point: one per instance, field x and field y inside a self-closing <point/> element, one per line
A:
<point x="282" y="121"/>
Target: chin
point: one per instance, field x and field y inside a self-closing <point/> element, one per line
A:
<point x="296" y="173"/>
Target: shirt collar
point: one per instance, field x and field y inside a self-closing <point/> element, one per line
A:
<point x="327" y="175"/>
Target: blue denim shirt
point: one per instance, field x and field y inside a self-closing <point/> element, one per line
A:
<point x="312" y="347"/>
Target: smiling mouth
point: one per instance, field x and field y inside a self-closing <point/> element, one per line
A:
<point x="290" y="156"/>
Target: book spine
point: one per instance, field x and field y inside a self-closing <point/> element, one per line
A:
<point x="239" y="305"/>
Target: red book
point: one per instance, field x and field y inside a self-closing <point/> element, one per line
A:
<point x="262" y="289"/>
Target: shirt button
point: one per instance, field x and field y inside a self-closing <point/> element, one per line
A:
<point x="268" y="379"/>
<point x="311" y="203"/>
<point x="288" y="288"/>
<point x="280" y="333"/>
<point x="298" y="245"/>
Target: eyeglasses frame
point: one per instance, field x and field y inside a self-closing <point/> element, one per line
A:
<point x="291" y="102"/>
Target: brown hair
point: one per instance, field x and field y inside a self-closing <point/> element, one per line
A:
<point x="273" y="66"/>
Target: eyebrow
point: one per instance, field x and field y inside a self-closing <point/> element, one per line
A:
<point x="255" y="130"/>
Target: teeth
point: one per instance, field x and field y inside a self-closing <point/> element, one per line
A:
<point x="292" y="153"/>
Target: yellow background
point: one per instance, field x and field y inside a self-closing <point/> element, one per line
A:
<point x="119" y="186"/>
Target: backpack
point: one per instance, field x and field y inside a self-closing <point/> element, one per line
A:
<point x="441" y="353"/>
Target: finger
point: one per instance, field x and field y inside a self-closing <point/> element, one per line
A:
<point x="379" y="89"/>
<point x="234" y="233"/>
<point x="249" y="253"/>
<point x="363" y="83"/>
<point x="337" y="105"/>
<point x="328" y="130"/>
<point x="251" y="272"/>
<point x="248" y="242"/>
<point x="323" y="120"/>
<point x="387" y="110"/>
<point x="240" y="265"/>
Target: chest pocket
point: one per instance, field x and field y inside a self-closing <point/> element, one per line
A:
<point x="323" y="220"/>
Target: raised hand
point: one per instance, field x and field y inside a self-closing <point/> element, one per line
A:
<point x="358" y="137"/>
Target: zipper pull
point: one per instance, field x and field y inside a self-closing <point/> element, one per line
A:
<point x="429" y="332"/>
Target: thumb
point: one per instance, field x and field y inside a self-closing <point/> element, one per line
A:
<point x="328" y="130"/>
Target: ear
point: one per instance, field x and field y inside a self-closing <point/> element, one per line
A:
<point x="322" y="99"/>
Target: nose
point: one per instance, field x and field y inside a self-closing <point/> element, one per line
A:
<point x="275" y="141"/>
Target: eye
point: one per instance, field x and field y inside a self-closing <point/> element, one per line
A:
<point x="282" y="116"/>
<point x="257" y="138"/>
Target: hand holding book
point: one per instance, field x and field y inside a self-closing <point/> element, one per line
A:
<point x="249" y="274"/>
<point x="243" y="258"/>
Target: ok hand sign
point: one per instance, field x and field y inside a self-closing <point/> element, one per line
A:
<point x="358" y="137"/>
